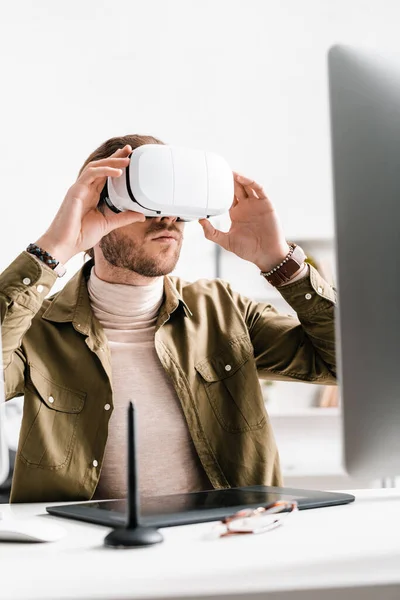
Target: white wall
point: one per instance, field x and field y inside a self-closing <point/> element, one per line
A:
<point x="246" y="78"/>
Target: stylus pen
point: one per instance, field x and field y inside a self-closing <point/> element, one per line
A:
<point x="133" y="502"/>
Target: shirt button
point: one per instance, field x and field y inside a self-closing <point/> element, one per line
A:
<point x="26" y="281"/>
<point x="308" y="296"/>
<point x="40" y="289"/>
<point x="228" y="367"/>
<point x="107" y="407"/>
<point x="95" y="463"/>
<point x="51" y="399"/>
<point x="320" y="290"/>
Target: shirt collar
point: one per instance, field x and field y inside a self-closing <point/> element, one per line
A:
<point x="72" y="303"/>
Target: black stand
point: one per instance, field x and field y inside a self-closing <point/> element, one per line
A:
<point x="134" y="534"/>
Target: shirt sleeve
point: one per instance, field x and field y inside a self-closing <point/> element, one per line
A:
<point x="295" y="348"/>
<point x="24" y="285"/>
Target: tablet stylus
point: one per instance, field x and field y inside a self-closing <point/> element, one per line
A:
<point x="133" y="534"/>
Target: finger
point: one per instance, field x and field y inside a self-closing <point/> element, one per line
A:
<point x="124" y="218"/>
<point x="115" y="163"/>
<point x="119" y="159"/>
<point x="125" y="151"/>
<point x="235" y="202"/>
<point x="241" y="181"/>
<point x="239" y="190"/>
<point x="118" y="162"/>
<point x="110" y="162"/>
<point x="214" y="235"/>
<point x="95" y="173"/>
<point x="119" y="154"/>
<point x="99" y="184"/>
<point x="251" y="186"/>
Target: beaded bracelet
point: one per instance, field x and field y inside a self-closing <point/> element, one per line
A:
<point x="282" y="263"/>
<point x="47" y="259"/>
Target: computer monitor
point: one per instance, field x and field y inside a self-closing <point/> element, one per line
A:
<point x="364" y="90"/>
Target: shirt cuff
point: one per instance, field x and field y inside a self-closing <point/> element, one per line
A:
<point x="27" y="281"/>
<point x="302" y="273"/>
<point x="309" y="294"/>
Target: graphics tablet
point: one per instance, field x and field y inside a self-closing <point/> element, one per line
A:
<point x="195" y="507"/>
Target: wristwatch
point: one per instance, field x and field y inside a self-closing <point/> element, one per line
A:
<point x="288" y="267"/>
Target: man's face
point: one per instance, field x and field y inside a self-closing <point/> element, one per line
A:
<point x="139" y="247"/>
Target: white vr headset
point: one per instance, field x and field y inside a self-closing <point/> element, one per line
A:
<point x="171" y="181"/>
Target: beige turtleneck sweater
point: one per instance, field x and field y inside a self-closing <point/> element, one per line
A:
<point x="167" y="460"/>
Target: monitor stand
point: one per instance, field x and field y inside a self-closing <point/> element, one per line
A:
<point x="133" y="535"/>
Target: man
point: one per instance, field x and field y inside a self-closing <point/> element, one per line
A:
<point x="188" y="354"/>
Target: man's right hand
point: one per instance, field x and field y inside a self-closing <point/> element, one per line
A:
<point x="78" y="224"/>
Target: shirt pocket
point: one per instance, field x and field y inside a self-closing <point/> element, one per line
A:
<point x="232" y="386"/>
<point x="51" y="413"/>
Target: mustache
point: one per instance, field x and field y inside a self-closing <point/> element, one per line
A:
<point x="158" y="228"/>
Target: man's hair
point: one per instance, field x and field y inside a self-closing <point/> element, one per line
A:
<point x="109" y="147"/>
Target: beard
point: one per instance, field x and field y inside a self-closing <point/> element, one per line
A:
<point x="125" y="253"/>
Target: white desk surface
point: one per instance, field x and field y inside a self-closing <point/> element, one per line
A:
<point x="350" y="551"/>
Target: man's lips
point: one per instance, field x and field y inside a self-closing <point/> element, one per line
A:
<point x="166" y="235"/>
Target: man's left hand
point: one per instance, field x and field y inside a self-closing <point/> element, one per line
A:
<point x="255" y="233"/>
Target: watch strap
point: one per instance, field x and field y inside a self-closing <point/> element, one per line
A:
<point x="291" y="264"/>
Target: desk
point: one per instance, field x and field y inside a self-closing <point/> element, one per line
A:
<point x="350" y="551"/>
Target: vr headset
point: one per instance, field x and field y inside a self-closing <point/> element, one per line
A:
<point x="172" y="181"/>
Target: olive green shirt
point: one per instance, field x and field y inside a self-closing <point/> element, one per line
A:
<point x="213" y="343"/>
